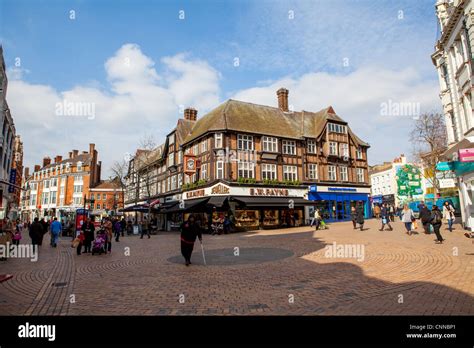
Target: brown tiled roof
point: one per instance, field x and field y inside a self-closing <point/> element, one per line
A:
<point x="380" y="168"/>
<point x="260" y="119"/>
<point x="107" y="184"/>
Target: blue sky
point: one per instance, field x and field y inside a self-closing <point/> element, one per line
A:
<point x="353" y="55"/>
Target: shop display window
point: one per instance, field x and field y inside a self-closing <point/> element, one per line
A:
<point x="247" y="218"/>
<point x="270" y="218"/>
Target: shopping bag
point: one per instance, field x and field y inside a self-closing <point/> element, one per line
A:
<point x="415" y="225"/>
<point x="75" y="243"/>
<point x="431" y="228"/>
<point x="384" y="221"/>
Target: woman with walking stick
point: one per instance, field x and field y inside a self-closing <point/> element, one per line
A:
<point x="189" y="231"/>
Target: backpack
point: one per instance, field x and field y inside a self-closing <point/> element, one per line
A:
<point x="436" y="218"/>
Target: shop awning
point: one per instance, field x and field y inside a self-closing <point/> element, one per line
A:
<point x="139" y="208"/>
<point x="272" y="201"/>
<point x="196" y="205"/>
<point x="217" y="201"/>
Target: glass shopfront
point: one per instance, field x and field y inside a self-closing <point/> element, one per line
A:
<point x="268" y="218"/>
<point x="337" y="206"/>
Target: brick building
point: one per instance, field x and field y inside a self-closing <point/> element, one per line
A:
<point x="264" y="166"/>
<point x="107" y="196"/>
<point x="57" y="188"/>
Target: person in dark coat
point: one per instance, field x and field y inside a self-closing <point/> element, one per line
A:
<point x="436" y="222"/>
<point x="425" y="217"/>
<point x="385" y="214"/>
<point x="36" y="233"/>
<point x="354" y="217"/>
<point x="88" y="229"/>
<point x="360" y="215"/>
<point x="189" y="231"/>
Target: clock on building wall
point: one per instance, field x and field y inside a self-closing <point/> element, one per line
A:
<point x="189" y="165"/>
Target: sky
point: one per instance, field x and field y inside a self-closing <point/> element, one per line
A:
<point x="135" y="65"/>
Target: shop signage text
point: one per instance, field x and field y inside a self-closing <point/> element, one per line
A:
<point x="220" y="190"/>
<point x="466" y="155"/>
<point x="195" y="194"/>
<point x="268" y="192"/>
<point x="342" y="189"/>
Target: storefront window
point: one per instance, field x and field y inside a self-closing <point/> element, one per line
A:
<point x="247" y="218"/>
<point x="270" y="218"/>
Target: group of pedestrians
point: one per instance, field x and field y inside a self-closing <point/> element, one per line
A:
<point x="431" y="220"/>
<point x="109" y="228"/>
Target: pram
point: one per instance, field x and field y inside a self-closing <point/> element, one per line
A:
<point x="98" y="245"/>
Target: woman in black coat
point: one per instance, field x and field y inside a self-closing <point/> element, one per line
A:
<point x="360" y="215"/>
<point x="189" y="231"/>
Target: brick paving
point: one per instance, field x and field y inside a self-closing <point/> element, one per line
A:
<point x="399" y="275"/>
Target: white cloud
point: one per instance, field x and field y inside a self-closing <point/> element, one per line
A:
<point x="358" y="98"/>
<point x="137" y="101"/>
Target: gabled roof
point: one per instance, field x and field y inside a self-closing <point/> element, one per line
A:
<point x="246" y="117"/>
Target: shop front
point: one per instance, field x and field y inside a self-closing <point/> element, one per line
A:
<point x="335" y="203"/>
<point x="248" y="208"/>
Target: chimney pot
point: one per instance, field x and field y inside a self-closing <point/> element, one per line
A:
<point x="46" y="161"/>
<point x="282" y="94"/>
<point x="75" y="153"/>
<point x="190" y="114"/>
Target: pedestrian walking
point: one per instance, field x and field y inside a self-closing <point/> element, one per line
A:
<point x="88" y="230"/>
<point x="448" y="215"/>
<point x="436" y="222"/>
<point x="425" y="217"/>
<point x="17" y="234"/>
<point x="354" y="217"/>
<point x="316" y="219"/>
<point x="109" y="233"/>
<point x="55" y="229"/>
<point x="360" y="214"/>
<point x="144" y="228"/>
<point x="122" y="226"/>
<point x="117" y="229"/>
<point x="36" y="233"/>
<point x="377" y="211"/>
<point x="385" y="214"/>
<point x="407" y="218"/>
<point x="189" y="231"/>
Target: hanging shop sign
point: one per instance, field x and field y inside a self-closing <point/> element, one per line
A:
<point x="11" y="188"/>
<point x="447" y="183"/>
<point x="466" y="155"/>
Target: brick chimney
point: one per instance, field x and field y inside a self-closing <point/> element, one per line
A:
<point x="37" y="167"/>
<point x="282" y="94"/>
<point x="58" y="159"/>
<point x="190" y="114"/>
<point x="27" y="172"/>
<point x="75" y="153"/>
<point x="46" y="161"/>
<point x="70" y="154"/>
<point x="91" y="148"/>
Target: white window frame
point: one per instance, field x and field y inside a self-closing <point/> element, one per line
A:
<point x="344" y="173"/>
<point x="359" y="153"/>
<point x="204" y="171"/>
<point x="360" y="175"/>
<point x="344" y="149"/>
<point x="218" y="140"/>
<point x="245" y="142"/>
<point x="269" y="144"/>
<point x="312" y="171"/>
<point x="246" y="169"/>
<point x="290" y="173"/>
<point x="269" y="171"/>
<point x="333" y="148"/>
<point x="311" y="146"/>
<point x="332" y="173"/>
<point x="204" y="146"/>
<point x="289" y="147"/>
<point x="220" y="169"/>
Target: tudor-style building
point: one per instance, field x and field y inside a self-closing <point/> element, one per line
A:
<point x="263" y="166"/>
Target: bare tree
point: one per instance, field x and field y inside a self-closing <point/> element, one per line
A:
<point x="429" y="141"/>
<point x="120" y="170"/>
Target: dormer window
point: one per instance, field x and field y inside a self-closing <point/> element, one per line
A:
<point x="337" y="128"/>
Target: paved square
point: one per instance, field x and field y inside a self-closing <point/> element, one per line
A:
<point x="279" y="272"/>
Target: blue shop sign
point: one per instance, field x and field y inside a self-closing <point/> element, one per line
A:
<point x="11" y="188"/>
<point x="442" y="166"/>
<point x="342" y="189"/>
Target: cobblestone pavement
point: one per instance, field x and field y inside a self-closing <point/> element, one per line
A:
<point x="399" y="274"/>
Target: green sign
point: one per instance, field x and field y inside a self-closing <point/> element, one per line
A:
<point x="408" y="182"/>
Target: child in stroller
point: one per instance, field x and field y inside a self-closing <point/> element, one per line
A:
<point x="98" y="245"/>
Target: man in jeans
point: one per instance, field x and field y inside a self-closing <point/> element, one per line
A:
<point x="145" y="229"/>
<point x="55" y="229"/>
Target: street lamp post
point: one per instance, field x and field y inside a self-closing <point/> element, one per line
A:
<point x="91" y="201"/>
